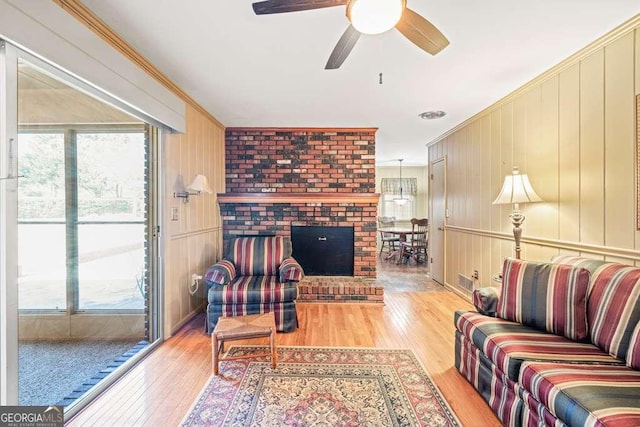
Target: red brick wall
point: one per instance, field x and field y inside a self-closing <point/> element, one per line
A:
<point x="300" y="160"/>
<point x="319" y="161"/>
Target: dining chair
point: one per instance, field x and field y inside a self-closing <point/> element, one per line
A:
<point x="417" y="246"/>
<point x="389" y="239"/>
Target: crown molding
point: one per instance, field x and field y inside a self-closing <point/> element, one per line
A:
<point x="83" y="14"/>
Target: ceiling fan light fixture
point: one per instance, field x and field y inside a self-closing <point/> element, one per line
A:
<point x="375" y="16"/>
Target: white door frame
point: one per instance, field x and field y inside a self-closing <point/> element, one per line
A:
<point x="438" y="228"/>
<point x="8" y="221"/>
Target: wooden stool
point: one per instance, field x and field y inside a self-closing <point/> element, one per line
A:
<point x="241" y="328"/>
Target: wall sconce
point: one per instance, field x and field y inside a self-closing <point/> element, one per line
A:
<point x="516" y="189"/>
<point x="197" y="186"/>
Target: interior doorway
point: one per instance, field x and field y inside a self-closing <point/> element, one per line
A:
<point x="437" y="213"/>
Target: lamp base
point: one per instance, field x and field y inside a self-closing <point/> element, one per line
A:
<point x="517" y="218"/>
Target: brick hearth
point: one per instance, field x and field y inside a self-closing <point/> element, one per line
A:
<point x="339" y="289"/>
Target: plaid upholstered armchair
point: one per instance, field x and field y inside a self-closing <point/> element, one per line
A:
<point x="256" y="275"/>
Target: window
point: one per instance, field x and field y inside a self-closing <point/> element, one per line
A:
<point x="111" y="220"/>
<point x="83" y="204"/>
<point x="41" y="210"/>
<point x="88" y="230"/>
<point x="394" y="189"/>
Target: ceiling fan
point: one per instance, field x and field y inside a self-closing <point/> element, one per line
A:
<point x="366" y="17"/>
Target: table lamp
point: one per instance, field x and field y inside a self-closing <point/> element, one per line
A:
<point x="516" y="189"/>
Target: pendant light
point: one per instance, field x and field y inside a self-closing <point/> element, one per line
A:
<point x="400" y="200"/>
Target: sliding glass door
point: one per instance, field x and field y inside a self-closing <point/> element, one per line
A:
<point x="82" y="231"/>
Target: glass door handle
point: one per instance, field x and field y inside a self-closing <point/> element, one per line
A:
<point x="10" y="174"/>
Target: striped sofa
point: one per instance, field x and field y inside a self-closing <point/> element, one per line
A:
<point x="557" y="345"/>
<point x="256" y="275"/>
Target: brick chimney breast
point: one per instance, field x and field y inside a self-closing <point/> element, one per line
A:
<point x="302" y="176"/>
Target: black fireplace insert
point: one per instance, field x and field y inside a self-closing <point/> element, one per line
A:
<point x="324" y="251"/>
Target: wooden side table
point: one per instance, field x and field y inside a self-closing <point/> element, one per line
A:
<point x="241" y="328"/>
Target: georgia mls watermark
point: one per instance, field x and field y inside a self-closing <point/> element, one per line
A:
<point x="31" y="416"/>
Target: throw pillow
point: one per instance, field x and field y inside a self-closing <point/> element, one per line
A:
<point x="633" y="355"/>
<point x="485" y="300"/>
<point x="614" y="307"/>
<point x="589" y="263"/>
<point x="545" y="296"/>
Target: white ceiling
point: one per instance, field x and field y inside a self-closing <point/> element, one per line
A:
<point x="268" y="70"/>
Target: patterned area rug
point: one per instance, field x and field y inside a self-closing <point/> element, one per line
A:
<point x="321" y="386"/>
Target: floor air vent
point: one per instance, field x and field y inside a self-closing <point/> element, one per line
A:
<point x="465" y="282"/>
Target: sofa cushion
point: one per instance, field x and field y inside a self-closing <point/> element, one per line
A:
<point x="257" y="256"/>
<point x="507" y="344"/>
<point x="500" y="392"/>
<point x="613" y="310"/>
<point x="633" y="355"/>
<point x="585" y="395"/>
<point x="253" y="290"/>
<point x="284" y="313"/>
<point x="535" y="414"/>
<point x="546" y="296"/>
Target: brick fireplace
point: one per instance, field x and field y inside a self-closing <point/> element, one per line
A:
<point x="277" y="178"/>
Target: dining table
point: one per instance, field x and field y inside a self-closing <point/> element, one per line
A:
<point x="402" y="233"/>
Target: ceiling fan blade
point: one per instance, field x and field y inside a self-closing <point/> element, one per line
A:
<point x="282" y="6"/>
<point x="343" y="48"/>
<point x="421" y="32"/>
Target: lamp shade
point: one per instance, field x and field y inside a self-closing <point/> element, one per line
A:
<point x="516" y="189"/>
<point x="375" y="16"/>
<point x="200" y="184"/>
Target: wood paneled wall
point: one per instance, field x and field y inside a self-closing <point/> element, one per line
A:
<point x="193" y="242"/>
<point x="572" y="130"/>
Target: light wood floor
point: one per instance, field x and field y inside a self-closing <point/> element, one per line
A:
<point x="161" y="389"/>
